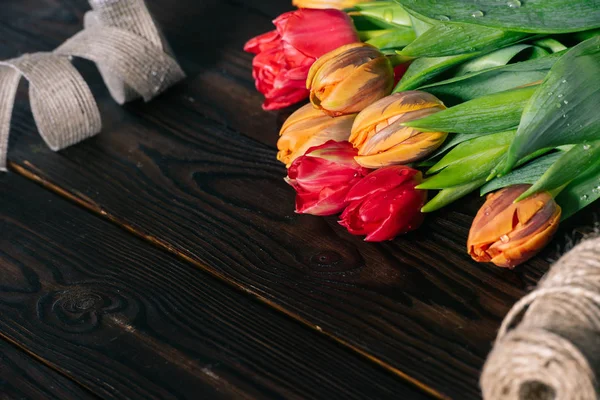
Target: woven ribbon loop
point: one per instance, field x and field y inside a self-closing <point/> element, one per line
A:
<point x="134" y="60"/>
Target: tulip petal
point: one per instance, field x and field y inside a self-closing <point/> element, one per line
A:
<point x="302" y="27"/>
<point x="508" y="233"/>
<point x="383" y="180"/>
<point x="263" y="42"/>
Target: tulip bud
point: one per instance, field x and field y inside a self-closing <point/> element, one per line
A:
<point x="508" y="234"/>
<point x="323" y="176"/>
<point x="309" y="127"/>
<point x="385" y="204"/>
<point x="339" y="4"/>
<point x="284" y="56"/>
<point x="348" y="79"/>
<point x="382" y="140"/>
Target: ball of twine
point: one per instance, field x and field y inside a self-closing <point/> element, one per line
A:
<point x="548" y="347"/>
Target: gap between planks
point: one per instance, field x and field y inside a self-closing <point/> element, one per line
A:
<point x="30" y="172"/>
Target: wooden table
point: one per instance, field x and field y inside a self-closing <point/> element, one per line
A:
<point x="162" y="258"/>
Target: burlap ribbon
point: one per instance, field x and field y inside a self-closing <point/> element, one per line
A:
<point x="134" y="60"/>
<point x="548" y="346"/>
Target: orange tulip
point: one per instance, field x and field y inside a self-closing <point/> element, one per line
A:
<point x="507" y="233"/>
<point x="350" y="78"/>
<point x="382" y="140"/>
<point x="309" y="127"/>
<point x="339" y="4"/>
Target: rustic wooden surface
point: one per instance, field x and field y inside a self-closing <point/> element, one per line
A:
<point x="194" y="174"/>
<point x="124" y="319"/>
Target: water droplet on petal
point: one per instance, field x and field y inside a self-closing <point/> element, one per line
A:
<point x="443" y="18"/>
<point x="513" y="3"/>
<point x="504" y="238"/>
<point x="477" y="14"/>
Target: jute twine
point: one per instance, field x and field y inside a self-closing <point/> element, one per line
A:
<point x="548" y="346"/>
<point x="134" y="60"/>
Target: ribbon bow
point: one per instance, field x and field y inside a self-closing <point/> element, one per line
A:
<point x="134" y="60"/>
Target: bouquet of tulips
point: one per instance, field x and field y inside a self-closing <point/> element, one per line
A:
<point x="413" y="96"/>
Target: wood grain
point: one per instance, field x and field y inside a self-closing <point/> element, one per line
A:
<point x="194" y="172"/>
<point x="126" y="320"/>
<point x="23" y="377"/>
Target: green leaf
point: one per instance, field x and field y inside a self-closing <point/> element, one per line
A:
<point x="581" y="192"/>
<point x="494" y="113"/>
<point x="419" y="25"/>
<point x="553" y="45"/>
<point x="425" y="68"/>
<point x="385" y="11"/>
<point x="394" y="39"/>
<point x="496" y="58"/>
<point x="536" y="16"/>
<point x="457" y="138"/>
<point x="444" y="40"/>
<point x="566" y="168"/>
<point x="469" y="161"/>
<point x="529" y="174"/>
<point x="450" y="195"/>
<point x="495" y="172"/>
<point x="492" y="80"/>
<point x="564" y="109"/>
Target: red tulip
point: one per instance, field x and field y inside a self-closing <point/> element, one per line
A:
<point x="323" y="176"/>
<point x="284" y="56"/>
<point x="385" y="204"/>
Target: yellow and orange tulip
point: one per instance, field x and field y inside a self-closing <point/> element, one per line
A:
<point x="507" y="233"/>
<point x="350" y="78"/>
<point x="308" y="127"/>
<point x="339" y="4"/>
<point x="382" y="140"/>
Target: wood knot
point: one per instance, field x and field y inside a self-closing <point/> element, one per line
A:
<point x="330" y="262"/>
<point x="80" y="309"/>
<point x="325" y="259"/>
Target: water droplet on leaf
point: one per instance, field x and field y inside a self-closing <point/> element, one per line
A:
<point x="443" y="18"/>
<point x="564" y="81"/>
<point x="566" y="102"/>
<point x="586" y="146"/>
<point x="388" y="15"/>
<point x="584" y="197"/>
<point x="560" y="95"/>
<point x="558" y="105"/>
<point x="513" y="3"/>
<point x="477" y="14"/>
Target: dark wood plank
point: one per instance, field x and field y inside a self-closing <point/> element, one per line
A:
<point x="205" y="191"/>
<point x="127" y="320"/>
<point x="23" y="377"/>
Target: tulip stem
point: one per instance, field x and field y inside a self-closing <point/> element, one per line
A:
<point x="398" y="59"/>
<point x="368" y="35"/>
